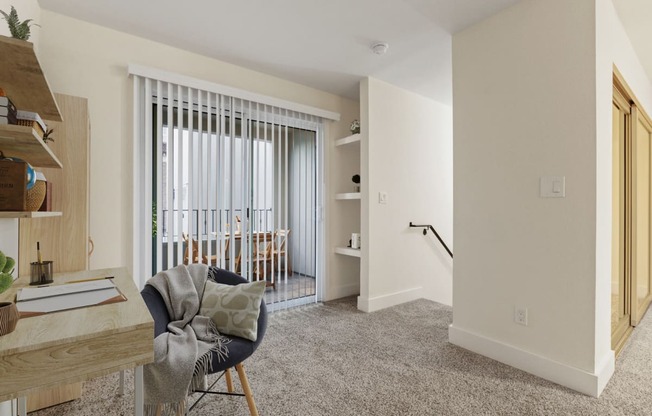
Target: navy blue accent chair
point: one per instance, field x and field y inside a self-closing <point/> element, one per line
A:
<point x="239" y="348"/>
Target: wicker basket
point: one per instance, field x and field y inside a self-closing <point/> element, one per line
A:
<point x="35" y="196"/>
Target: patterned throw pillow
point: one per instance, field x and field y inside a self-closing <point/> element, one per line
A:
<point x="234" y="309"/>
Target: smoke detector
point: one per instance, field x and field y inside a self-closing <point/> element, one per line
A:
<point x="379" y="48"/>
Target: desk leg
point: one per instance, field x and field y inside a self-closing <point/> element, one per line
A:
<point x="139" y="391"/>
<point x="22" y="406"/>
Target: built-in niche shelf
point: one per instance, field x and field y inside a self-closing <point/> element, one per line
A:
<point x="354" y="138"/>
<point x="348" y="251"/>
<point x="348" y="195"/>
<point x="29" y="214"/>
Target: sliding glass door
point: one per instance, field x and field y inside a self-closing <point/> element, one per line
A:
<point x="235" y="184"/>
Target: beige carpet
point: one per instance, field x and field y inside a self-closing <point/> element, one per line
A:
<point x="334" y="360"/>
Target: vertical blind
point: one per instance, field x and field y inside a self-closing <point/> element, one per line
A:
<point x="229" y="182"/>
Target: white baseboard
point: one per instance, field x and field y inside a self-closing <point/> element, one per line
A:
<point x="344" y="291"/>
<point x="385" y="301"/>
<point x="582" y="381"/>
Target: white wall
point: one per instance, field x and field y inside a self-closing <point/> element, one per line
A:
<point x="524" y="85"/>
<point x="407" y="151"/>
<point x="612" y="48"/>
<point x="90" y="61"/>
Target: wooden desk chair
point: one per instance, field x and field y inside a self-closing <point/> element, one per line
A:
<point x="195" y="252"/>
<point x="259" y="258"/>
<point x="278" y="250"/>
<point x="274" y="251"/>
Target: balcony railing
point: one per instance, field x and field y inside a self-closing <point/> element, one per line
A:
<point x="206" y="222"/>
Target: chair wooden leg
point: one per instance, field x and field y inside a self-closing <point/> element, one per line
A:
<point x="229" y="380"/>
<point x="238" y="259"/>
<point x="247" y="390"/>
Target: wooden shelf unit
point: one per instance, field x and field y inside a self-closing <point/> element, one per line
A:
<point x="24" y="83"/>
<point x="23" y="142"/>
<point x="23" y="80"/>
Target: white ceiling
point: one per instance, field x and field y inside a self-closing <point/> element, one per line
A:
<point x="325" y="43"/>
<point x="320" y="43"/>
<point x="636" y="16"/>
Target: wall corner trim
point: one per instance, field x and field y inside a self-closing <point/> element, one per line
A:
<point x="377" y="303"/>
<point x="574" y="378"/>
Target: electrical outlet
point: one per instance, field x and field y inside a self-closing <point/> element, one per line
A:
<point x="520" y="315"/>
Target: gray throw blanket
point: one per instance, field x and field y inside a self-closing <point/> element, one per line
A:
<point x="182" y="356"/>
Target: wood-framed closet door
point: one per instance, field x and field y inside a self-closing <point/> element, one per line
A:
<point x="620" y="265"/>
<point x="641" y="214"/>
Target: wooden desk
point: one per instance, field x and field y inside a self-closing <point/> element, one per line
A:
<point x="76" y="345"/>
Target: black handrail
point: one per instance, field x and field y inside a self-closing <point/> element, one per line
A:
<point x="425" y="231"/>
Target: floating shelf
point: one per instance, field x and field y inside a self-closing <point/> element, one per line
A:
<point x="23" y="142"/>
<point x="23" y="80"/>
<point x="348" y="251"/>
<point x="349" y="195"/>
<point x="29" y="214"/>
<point x="354" y="138"/>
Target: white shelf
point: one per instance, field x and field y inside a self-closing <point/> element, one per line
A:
<point x="348" y="251"/>
<point x="348" y="195"/>
<point x="29" y="214"/>
<point x="354" y="138"/>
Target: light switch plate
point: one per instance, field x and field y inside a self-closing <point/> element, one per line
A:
<point x="382" y="197"/>
<point x="553" y="187"/>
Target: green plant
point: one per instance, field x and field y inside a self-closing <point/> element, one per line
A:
<point x="6" y="269"/>
<point x="47" y="137"/>
<point x="19" y="30"/>
<point x="154" y="222"/>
